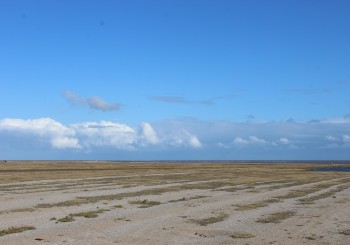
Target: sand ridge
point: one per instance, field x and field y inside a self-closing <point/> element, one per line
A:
<point x="178" y="204"/>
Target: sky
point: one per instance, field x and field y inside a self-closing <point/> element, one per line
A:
<point x="175" y="80"/>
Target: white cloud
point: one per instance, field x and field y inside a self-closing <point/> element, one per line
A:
<point x="331" y="138"/>
<point x="284" y="141"/>
<point x="256" y="140"/>
<point x="346" y="138"/>
<point x="194" y="142"/>
<point x="92" y="135"/>
<point x="179" y="137"/>
<point x="65" y="142"/>
<point x="175" y="138"/>
<point x="58" y="135"/>
<point x="240" y="141"/>
<point x="250" y="140"/>
<point x="106" y="133"/>
<point x="148" y="134"/>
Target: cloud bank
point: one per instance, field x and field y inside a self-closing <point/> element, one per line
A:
<point x="177" y="139"/>
<point x="93" y="102"/>
<point x="93" y="135"/>
<point x="56" y="134"/>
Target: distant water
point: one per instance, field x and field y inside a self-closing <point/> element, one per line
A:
<point x="240" y="161"/>
<point x="335" y="169"/>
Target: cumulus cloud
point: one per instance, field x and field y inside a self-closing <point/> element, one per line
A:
<point x="284" y="141"/>
<point x="148" y="134"/>
<point x="240" y="141"/>
<point x="194" y="142"/>
<point x="183" y="138"/>
<point x="250" y="140"/>
<point x="93" y="102"/>
<point x="65" y="143"/>
<point x="346" y="138"/>
<point x="256" y="140"/>
<point x="171" y="135"/>
<point x="176" y="138"/>
<point x="96" y="135"/>
<point x="105" y="133"/>
<point x="59" y="136"/>
<point x="342" y="141"/>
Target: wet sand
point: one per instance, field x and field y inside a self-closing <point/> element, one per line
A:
<point x="157" y="203"/>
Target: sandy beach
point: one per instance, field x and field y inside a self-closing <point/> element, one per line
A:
<point x="177" y="203"/>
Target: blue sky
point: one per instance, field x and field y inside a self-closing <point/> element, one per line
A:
<point x="143" y="80"/>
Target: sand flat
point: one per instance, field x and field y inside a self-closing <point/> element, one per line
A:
<point x="178" y="203"/>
